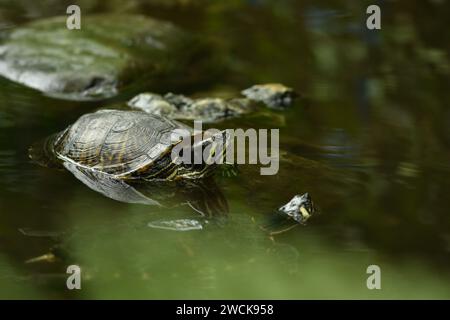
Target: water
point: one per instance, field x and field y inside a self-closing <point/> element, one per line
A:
<point x="369" y="141"/>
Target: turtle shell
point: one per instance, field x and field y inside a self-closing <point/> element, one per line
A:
<point x="117" y="142"/>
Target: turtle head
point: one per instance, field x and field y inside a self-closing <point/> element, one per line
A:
<point x="297" y="211"/>
<point x="205" y="155"/>
<point x="300" y="208"/>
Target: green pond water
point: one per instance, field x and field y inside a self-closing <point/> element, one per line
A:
<point x="369" y="141"/>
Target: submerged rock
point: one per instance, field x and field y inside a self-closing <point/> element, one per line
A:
<point x="106" y="54"/>
<point x="180" y="107"/>
<point x="177" y="225"/>
<point x="210" y="109"/>
<point x="273" y="95"/>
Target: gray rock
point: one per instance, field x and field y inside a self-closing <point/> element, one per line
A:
<point x="176" y="225"/>
<point x="180" y="107"/>
<point x="108" y="53"/>
<point x="273" y="95"/>
<point x="154" y="104"/>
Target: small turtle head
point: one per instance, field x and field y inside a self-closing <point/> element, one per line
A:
<point x="300" y="208"/>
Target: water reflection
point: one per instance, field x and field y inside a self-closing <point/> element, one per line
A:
<point x="203" y="196"/>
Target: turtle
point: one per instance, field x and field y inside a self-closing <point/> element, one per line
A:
<point x="295" y="212"/>
<point x="131" y="145"/>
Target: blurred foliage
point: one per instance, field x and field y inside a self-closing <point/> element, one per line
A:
<point x="369" y="141"/>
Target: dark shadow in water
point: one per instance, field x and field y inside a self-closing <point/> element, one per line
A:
<point x="203" y="196"/>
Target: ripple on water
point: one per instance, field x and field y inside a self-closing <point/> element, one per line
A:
<point x="14" y="171"/>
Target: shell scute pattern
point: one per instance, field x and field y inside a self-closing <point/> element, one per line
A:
<point x="117" y="142"/>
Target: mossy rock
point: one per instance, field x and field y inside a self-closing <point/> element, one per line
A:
<point x="108" y="53"/>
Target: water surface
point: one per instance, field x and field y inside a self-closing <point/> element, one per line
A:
<point x="369" y="141"/>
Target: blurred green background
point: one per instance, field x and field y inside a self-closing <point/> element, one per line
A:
<point x="369" y="141"/>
